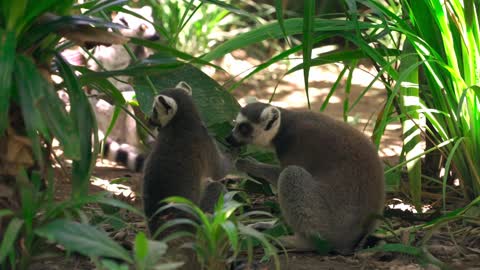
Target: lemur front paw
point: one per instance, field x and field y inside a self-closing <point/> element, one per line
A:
<point x="244" y="164"/>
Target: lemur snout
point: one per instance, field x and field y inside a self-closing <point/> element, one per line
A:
<point x="232" y="141"/>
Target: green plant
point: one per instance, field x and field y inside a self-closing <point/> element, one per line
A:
<point x="217" y="239"/>
<point x="89" y="241"/>
<point x="193" y="26"/>
<point x="31" y="113"/>
<point x="38" y="208"/>
<point x="439" y="79"/>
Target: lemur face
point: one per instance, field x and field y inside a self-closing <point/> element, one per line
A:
<point x="137" y="26"/>
<point x="257" y="123"/>
<point x="165" y="106"/>
<point x="164" y="109"/>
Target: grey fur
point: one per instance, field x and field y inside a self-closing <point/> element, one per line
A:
<point x="330" y="182"/>
<point x="182" y="159"/>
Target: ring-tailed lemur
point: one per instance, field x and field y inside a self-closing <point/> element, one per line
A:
<point x="330" y="183"/>
<point x="184" y="156"/>
<point x="123" y="144"/>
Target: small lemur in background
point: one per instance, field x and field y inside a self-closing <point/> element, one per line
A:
<point x="330" y="182"/>
<point x="184" y="156"/>
<point x="123" y="144"/>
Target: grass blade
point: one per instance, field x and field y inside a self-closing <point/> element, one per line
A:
<point x="8" y="240"/>
<point x="409" y="104"/>
<point x="291" y="26"/>
<point x="7" y="61"/>
<point x="308" y="16"/>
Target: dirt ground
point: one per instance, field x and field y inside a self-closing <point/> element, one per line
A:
<point x="457" y="245"/>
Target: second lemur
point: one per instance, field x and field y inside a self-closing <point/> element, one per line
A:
<point x="184" y="156"/>
<point x="330" y="182"/>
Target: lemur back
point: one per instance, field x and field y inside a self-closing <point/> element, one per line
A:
<point x="183" y="158"/>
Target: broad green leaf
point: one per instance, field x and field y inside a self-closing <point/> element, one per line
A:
<point x="231" y="230"/>
<point x="84" y="239"/>
<point x="8" y="239"/>
<point x="7" y="60"/>
<point x="42" y="109"/>
<point x="215" y="104"/>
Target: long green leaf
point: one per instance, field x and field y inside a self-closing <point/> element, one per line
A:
<point x="30" y="87"/>
<point x="308" y="18"/>
<point x="281" y="19"/>
<point x="84" y="239"/>
<point x="273" y="30"/>
<point x="85" y="126"/>
<point x="410" y="102"/>
<point x="8" y="239"/>
<point x="7" y="61"/>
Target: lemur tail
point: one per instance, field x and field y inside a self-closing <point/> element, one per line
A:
<point x="124" y="154"/>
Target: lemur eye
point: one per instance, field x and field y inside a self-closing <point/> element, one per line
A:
<point x="122" y="20"/>
<point x="164" y="103"/>
<point x="244" y="129"/>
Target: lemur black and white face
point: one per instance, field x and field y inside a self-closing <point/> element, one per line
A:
<point x="136" y="26"/>
<point x="165" y="106"/>
<point x="257" y="123"/>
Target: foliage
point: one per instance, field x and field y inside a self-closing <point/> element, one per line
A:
<point x="219" y="238"/>
<point x="426" y="53"/>
<point x="89" y="241"/>
<point x="439" y="81"/>
<point x="193" y="26"/>
<point x="38" y="209"/>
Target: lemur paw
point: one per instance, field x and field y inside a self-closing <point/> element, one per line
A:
<point x="244" y="165"/>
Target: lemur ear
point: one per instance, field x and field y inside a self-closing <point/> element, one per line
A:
<point x="270" y="117"/>
<point x="164" y="109"/>
<point x="184" y="86"/>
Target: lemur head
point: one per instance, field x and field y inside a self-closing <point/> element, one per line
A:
<point x="137" y="27"/>
<point x="165" y="106"/>
<point x="257" y="123"/>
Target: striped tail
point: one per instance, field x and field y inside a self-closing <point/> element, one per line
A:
<point x="124" y="154"/>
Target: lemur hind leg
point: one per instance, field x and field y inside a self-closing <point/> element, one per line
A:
<point x="304" y="207"/>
